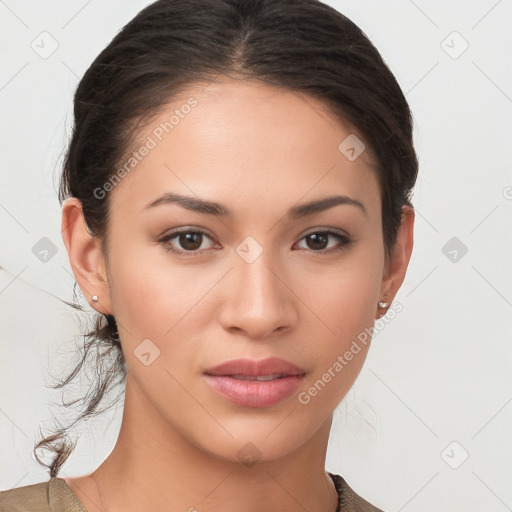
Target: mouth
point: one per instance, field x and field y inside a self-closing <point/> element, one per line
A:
<point x="255" y="383"/>
<point x="267" y="369"/>
<point x="260" y="378"/>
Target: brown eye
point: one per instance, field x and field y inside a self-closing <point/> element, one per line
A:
<point x="190" y="241"/>
<point x="187" y="241"/>
<point x="318" y="241"/>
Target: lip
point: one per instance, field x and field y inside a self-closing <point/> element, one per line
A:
<point x="285" y="379"/>
<point x="252" y="368"/>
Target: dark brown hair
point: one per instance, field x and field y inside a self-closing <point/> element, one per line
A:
<point x="298" y="45"/>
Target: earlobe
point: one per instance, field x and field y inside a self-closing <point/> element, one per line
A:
<point x="85" y="256"/>
<point x="400" y="256"/>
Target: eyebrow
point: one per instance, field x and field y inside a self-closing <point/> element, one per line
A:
<point x="203" y="206"/>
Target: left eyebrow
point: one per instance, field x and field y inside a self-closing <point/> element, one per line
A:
<point x="319" y="205"/>
<point x="205" y="207"/>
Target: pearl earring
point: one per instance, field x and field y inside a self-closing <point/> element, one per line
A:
<point x="94" y="298"/>
<point x="383" y="304"/>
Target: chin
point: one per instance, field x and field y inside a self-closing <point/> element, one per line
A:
<point x="254" y="440"/>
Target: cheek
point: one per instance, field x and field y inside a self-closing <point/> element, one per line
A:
<point x="346" y="303"/>
<point x="149" y="293"/>
<point x="157" y="300"/>
<point x="338" y="358"/>
<point x="348" y="298"/>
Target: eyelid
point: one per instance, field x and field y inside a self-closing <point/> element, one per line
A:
<point x="327" y="229"/>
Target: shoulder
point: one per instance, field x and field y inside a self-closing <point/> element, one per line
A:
<point x="348" y="499"/>
<point x="53" y="495"/>
<point x="30" y="498"/>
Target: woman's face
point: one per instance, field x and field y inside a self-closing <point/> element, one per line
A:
<point x="264" y="280"/>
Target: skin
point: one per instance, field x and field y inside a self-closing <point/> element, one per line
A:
<point x="179" y="440"/>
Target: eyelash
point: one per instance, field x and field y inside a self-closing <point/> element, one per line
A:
<point x="343" y="239"/>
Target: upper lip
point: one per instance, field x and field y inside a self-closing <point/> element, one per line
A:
<point x="249" y="367"/>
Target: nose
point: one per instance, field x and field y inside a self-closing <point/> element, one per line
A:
<point x="258" y="302"/>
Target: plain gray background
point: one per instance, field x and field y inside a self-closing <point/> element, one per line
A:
<point x="426" y="426"/>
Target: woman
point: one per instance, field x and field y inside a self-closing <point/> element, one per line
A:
<point x="237" y="210"/>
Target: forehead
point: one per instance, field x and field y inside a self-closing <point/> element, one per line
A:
<point x="248" y="140"/>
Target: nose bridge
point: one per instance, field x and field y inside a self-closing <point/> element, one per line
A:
<point x="258" y="302"/>
<point x="256" y="277"/>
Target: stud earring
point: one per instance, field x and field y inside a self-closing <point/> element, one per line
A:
<point x="94" y="298"/>
<point x="383" y="304"/>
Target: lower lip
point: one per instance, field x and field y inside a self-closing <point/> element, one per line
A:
<point x="253" y="393"/>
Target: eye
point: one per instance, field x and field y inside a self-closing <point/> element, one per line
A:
<point x="190" y="241"/>
<point x="319" y="239"/>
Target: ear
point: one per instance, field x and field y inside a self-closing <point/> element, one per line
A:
<point x="85" y="256"/>
<point x="394" y="272"/>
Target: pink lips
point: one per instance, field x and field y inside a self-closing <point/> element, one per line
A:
<point x="255" y="383"/>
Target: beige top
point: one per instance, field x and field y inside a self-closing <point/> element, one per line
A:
<point x="55" y="495"/>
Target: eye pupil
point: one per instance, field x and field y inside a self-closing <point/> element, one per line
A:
<point x="316" y="238"/>
<point x="187" y="238"/>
